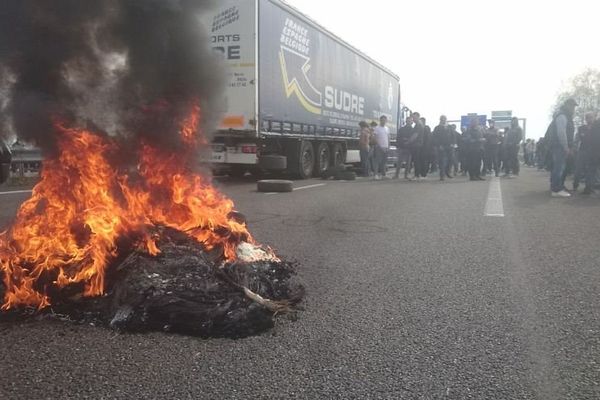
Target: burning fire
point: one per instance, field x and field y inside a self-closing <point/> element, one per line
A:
<point x="68" y="232"/>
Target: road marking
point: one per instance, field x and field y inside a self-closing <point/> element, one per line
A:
<point x="298" y="188"/>
<point x="16" y="192"/>
<point x="309" y="186"/>
<point x="493" y="205"/>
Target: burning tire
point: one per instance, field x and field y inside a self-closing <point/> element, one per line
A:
<point x="275" y="185"/>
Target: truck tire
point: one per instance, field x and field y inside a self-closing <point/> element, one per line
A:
<point x="337" y="154"/>
<point x="272" y="162"/>
<point x="301" y="160"/>
<point x="322" y="159"/>
<point x="275" y="186"/>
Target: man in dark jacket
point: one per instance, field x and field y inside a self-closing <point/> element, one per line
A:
<point x="492" y="149"/>
<point x="403" y="148"/>
<point x="561" y="134"/>
<point x="512" y="140"/>
<point x="415" y="145"/>
<point x="442" y="142"/>
<point x="426" y="149"/>
<point x="474" y="141"/>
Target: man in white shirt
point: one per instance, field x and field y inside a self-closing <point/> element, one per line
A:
<point x="382" y="139"/>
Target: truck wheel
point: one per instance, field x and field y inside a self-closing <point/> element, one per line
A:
<point x="275" y="186"/>
<point x="272" y="162"/>
<point x="337" y="154"/>
<point x="322" y="159"/>
<point x="301" y="159"/>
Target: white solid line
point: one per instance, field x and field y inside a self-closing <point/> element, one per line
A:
<point x="309" y="186"/>
<point x="298" y="188"/>
<point x="16" y="192"/>
<point x="494" y="206"/>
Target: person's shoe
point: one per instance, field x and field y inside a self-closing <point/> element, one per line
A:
<point x="587" y="191"/>
<point x="449" y="176"/>
<point x="561" y="194"/>
<point x="497" y="174"/>
<point x="479" y="178"/>
<point x="442" y="178"/>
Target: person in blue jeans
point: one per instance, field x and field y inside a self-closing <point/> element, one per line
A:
<point x="364" y="145"/>
<point x="562" y="134"/>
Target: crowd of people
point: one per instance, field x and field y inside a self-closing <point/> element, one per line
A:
<point x="476" y="151"/>
<point x="485" y="150"/>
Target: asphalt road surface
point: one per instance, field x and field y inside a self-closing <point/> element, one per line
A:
<point x="428" y="290"/>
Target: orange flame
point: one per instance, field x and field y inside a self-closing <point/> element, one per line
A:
<point x="67" y="232"/>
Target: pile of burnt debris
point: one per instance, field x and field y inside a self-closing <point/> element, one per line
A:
<point x="183" y="290"/>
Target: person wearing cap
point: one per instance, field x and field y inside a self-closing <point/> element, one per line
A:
<point x="561" y="135"/>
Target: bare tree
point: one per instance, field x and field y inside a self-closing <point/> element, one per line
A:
<point x="585" y="88"/>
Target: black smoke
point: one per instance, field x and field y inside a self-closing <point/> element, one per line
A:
<point x="125" y="67"/>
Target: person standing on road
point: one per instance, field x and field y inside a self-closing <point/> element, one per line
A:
<point x="561" y="135"/>
<point x="590" y="153"/>
<point x="372" y="143"/>
<point x="402" y="144"/>
<point x="578" y="145"/>
<point x="364" y="144"/>
<point x="416" y="145"/>
<point x="427" y="155"/>
<point x="492" y="149"/>
<point x="382" y="140"/>
<point x="474" y="142"/>
<point x="512" y="140"/>
<point x="454" y="162"/>
<point x="442" y="141"/>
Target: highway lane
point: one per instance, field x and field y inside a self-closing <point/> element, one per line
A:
<point x="413" y="292"/>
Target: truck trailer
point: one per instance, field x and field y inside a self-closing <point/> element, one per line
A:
<point x="295" y="93"/>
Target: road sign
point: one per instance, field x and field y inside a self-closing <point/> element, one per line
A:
<point x="465" y="120"/>
<point x="501" y="115"/>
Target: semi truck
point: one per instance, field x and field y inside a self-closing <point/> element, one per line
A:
<point x="295" y="91"/>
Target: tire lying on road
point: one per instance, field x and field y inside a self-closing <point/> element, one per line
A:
<point x="332" y="172"/>
<point x="275" y="185"/>
<point x="345" y="176"/>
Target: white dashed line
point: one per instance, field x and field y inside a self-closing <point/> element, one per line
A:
<point x="493" y="205"/>
<point x="309" y="186"/>
<point x="298" y="188"/>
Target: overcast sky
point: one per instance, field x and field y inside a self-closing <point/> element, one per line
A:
<point x="461" y="56"/>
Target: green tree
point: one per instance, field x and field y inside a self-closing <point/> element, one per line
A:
<point x="585" y="88"/>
